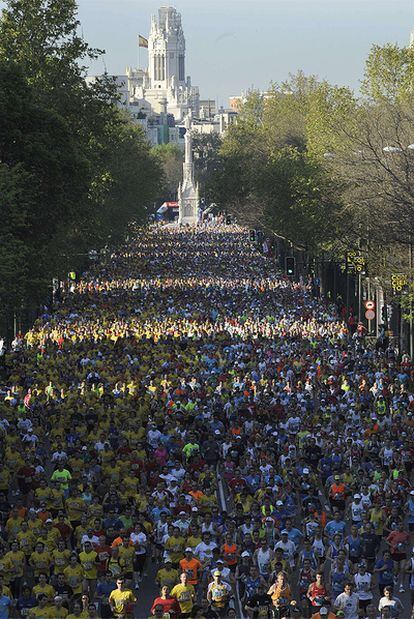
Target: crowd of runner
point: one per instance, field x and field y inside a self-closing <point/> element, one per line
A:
<point x="186" y="407"/>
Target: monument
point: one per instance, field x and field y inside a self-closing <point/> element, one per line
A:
<point x="188" y="194"/>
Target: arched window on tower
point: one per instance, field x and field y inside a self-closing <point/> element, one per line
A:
<point x="162" y="59"/>
<point x="181" y="69"/>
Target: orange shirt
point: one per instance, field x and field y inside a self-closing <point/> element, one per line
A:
<point x="337" y="489"/>
<point x="196" y="494"/>
<point x="283" y="595"/>
<point x="229" y="553"/>
<point x="193" y="569"/>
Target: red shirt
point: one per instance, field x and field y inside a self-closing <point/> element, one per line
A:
<point x="170" y="605"/>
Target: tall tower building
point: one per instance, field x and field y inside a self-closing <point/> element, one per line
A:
<point x="166" y="49"/>
<point x="166" y="70"/>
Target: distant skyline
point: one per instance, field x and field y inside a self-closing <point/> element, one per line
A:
<point x="232" y="45"/>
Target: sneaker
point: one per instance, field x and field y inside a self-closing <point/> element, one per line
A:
<point x="402" y="589"/>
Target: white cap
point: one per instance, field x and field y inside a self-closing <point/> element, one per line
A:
<point x="357" y="496"/>
<point x="306" y="471"/>
<point x="245" y="554"/>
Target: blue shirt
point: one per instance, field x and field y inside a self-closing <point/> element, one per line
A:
<point x="387" y="576"/>
<point x="4" y="606"/>
<point x="335" y="527"/>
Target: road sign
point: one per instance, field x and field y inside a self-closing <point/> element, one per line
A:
<point x="369" y="305"/>
<point x="370" y="314"/>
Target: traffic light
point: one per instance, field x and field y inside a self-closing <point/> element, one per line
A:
<point x="228" y="220"/>
<point x="252" y="236"/>
<point x="290" y="266"/>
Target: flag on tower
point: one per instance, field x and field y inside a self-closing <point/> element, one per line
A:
<point x="142" y="41"/>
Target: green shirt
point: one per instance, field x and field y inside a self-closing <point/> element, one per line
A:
<point x="63" y="477"/>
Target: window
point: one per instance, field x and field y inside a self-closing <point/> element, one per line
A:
<point x="181" y="69"/>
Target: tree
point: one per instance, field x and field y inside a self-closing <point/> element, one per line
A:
<point x="87" y="170"/>
<point x="207" y="161"/>
<point x="170" y="159"/>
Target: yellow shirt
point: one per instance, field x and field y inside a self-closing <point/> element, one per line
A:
<point x="60" y="559"/>
<point x="41" y="613"/>
<point x="175" y="548"/>
<point x="119" y="599"/>
<point x="184" y="594"/>
<point x="26" y="541"/>
<point x="126" y="558"/>
<point x="167" y="577"/>
<point x="17" y="561"/>
<point x="5" y="570"/>
<point x="48" y="590"/>
<point x="59" y="613"/>
<point x="74" y="577"/>
<point x="87" y="560"/>
<point x="40" y="561"/>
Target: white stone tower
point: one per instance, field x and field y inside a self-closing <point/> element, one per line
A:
<point x="166" y="70"/>
<point x="166" y="49"/>
<point x="188" y="193"/>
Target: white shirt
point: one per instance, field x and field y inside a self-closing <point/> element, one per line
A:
<point x="139" y="540"/>
<point x="363" y="586"/>
<point x="204" y="551"/>
<point x="348" y="604"/>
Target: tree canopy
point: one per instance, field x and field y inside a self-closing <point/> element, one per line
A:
<point x="74" y="169"/>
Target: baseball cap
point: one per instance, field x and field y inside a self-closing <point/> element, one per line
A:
<point x="306" y="471"/>
<point x="357" y="496"/>
<point x="188" y="549"/>
<point x="245" y="554"/>
<point x="323" y="611"/>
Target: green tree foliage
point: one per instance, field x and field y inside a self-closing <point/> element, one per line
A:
<point x="389" y="74"/>
<point x="207" y="162"/>
<point x="170" y="158"/>
<point x="268" y="177"/>
<point x="77" y="168"/>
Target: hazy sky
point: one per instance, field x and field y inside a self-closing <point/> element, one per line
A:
<point x="235" y="44"/>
